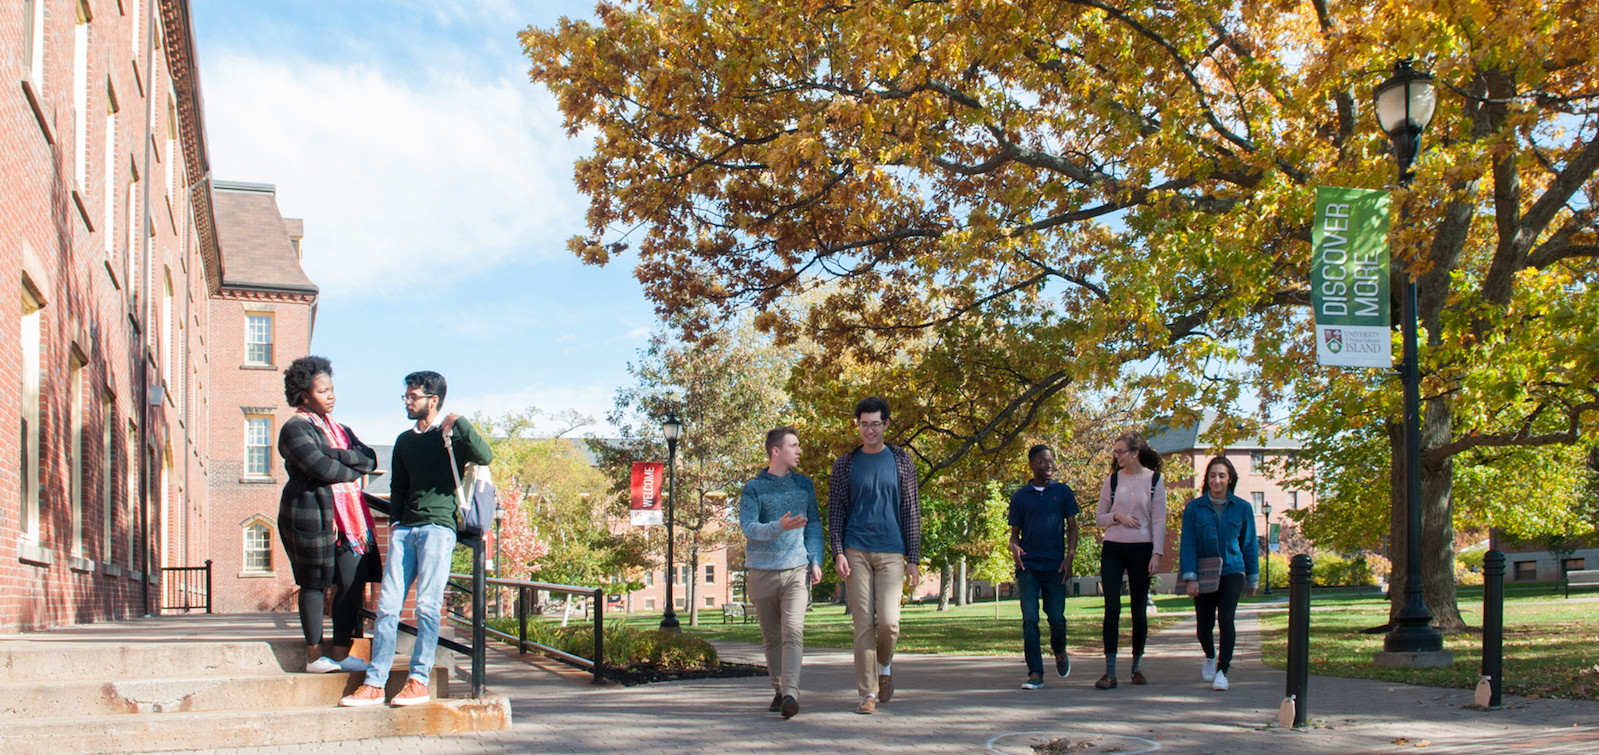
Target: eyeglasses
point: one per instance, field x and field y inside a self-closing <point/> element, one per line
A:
<point x="410" y="399"/>
<point x="1120" y="451"/>
<point x="871" y="425"/>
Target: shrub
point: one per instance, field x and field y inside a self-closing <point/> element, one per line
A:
<point x="1279" y="571"/>
<point x="625" y="646"/>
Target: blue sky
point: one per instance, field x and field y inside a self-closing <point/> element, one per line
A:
<point x="435" y="184"/>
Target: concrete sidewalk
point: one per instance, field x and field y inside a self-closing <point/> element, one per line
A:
<point x="974" y="704"/>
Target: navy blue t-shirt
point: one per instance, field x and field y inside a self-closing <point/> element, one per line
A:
<point x="873" y="524"/>
<point x="1041" y="516"/>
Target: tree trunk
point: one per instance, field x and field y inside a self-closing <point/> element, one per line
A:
<point x="690" y="593"/>
<point x="1437" y="525"/>
<point x="946" y="579"/>
<point x="963" y="589"/>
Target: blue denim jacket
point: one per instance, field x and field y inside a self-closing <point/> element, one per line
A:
<point x="1231" y="536"/>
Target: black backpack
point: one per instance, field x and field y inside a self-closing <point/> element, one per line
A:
<point x="1152" y="483"/>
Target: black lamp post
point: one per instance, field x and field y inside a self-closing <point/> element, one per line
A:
<point x="1265" y="511"/>
<point x="1405" y="105"/>
<point x="672" y="429"/>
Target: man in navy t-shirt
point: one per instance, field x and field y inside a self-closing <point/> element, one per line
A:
<point x="1043" y="540"/>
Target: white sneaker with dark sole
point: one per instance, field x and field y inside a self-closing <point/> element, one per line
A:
<point x="1220" y="682"/>
<point x="1208" y="671"/>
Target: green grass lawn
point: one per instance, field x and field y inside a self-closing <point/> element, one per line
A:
<point x="968" y="629"/>
<point x="1551" y="646"/>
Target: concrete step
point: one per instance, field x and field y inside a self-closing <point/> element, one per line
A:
<point x="77" y="698"/>
<point x="153" y="732"/>
<point x="55" y="661"/>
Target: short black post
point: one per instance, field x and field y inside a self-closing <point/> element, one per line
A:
<point x="1299" y="635"/>
<point x="479" y="612"/>
<point x="1493" y="623"/>
<point x="522" y="600"/>
<point x="599" y="635"/>
<point x="208" y="585"/>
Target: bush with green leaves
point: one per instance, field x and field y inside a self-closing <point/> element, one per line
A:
<point x="625" y="646"/>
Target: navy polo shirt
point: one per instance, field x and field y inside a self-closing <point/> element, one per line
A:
<point x="1041" y="517"/>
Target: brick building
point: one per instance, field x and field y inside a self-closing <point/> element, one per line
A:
<point x="262" y="317"/>
<point x="104" y="379"/>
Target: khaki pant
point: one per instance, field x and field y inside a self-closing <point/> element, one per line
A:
<point x="874" y="584"/>
<point x="780" y="597"/>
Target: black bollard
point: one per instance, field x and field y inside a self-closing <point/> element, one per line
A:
<point x="1493" y="623"/>
<point x="1299" y="635"/>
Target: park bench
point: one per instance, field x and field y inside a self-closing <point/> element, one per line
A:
<point x="1581" y="578"/>
<point x="740" y="611"/>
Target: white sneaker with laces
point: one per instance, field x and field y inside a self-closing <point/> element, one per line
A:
<point x="1220" y="682"/>
<point x="1208" y="671"/>
<point x="323" y="665"/>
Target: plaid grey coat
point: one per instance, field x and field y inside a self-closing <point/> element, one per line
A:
<point x="910" y="502"/>
<point x="305" y="513"/>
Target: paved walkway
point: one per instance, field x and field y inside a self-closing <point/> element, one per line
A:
<point x="974" y="704"/>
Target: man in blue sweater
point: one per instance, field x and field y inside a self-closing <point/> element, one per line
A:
<point x="1043" y="540"/>
<point x="778" y="513"/>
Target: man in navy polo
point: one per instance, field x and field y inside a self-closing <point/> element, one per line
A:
<point x="1043" y="540"/>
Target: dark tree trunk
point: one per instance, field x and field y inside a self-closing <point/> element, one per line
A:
<point x="946" y="579"/>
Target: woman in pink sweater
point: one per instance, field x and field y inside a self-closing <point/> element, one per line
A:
<point x="1132" y="509"/>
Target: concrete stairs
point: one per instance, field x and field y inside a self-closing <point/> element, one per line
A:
<point x="141" y="695"/>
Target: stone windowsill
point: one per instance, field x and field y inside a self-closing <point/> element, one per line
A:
<point x="81" y="565"/>
<point x="258" y="480"/>
<point x="272" y="367"/>
<point x="31" y="553"/>
<point x="112" y="570"/>
<point x="257" y="575"/>
<point x="135" y="575"/>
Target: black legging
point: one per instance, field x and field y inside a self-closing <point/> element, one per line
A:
<point x="1133" y="558"/>
<point x="346" y="603"/>
<point x="1205" y="609"/>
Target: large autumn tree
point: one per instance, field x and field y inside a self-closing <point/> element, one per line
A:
<point x="1002" y="199"/>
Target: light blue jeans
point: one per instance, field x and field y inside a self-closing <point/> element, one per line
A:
<point x="420" y="555"/>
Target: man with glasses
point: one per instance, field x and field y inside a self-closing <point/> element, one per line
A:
<point x="423" y="506"/>
<point x="874" y="518"/>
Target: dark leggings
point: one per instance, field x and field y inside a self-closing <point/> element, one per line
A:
<point x="1205" y="604"/>
<point x="1132" y="558"/>
<point x="346" y="603"/>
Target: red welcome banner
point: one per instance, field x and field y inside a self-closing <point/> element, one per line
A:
<point x="646" y="488"/>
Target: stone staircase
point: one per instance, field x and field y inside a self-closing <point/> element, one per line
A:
<point x="90" y="691"/>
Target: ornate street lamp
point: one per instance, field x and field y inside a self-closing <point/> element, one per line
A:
<point x="1265" y="511"/>
<point x="1405" y="105"/>
<point x="672" y="429"/>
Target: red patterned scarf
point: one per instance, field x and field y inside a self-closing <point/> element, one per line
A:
<point x="352" y="520"/>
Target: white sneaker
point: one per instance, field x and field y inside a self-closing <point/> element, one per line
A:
<point x="1220" y="682"/>
<point x="1208" y="671"/>
<point x="323" y="665"/>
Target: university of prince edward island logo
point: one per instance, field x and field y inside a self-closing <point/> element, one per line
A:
<point x="1334" y="338"/>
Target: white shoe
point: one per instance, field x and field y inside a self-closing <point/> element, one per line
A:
<point x="1208" y="671"/>
<point x="1220" y="682"/>
<point x="323" y="665"/>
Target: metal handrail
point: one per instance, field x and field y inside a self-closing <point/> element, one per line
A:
<point x="525" y="589"/>
<point x="181" y="584"/>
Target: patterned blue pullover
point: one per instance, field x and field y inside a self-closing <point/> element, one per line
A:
<point x="762" y="502"/>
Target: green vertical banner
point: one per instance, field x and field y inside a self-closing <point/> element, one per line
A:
<point x="1349" y="278"/>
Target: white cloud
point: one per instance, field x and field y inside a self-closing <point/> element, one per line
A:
<point x="637" y="333"/>
<point x="401" y="181"/>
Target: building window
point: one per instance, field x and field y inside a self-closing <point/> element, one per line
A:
<point x="258" y="337"/>
<point x="108" y="468"/>
<point x="80" y="96"/>
<point x="1293" y="499"/>
<point x="1526" y="571"/>
<point x="649" y="578"/>
<point x="677" y="604"/>
<point x="257" y="446"/>
<point x="258" y="547"/>
<point x="1257" y="459"/>
<point x="166" y="328"/>
<point x="108" y="222"/>
<point x="1259" y="499"/>
<point x="649" y="603"/>
<point x="710" y="602"/>
<point x="1572" y="564"/>
<point x="684" y="575"/>
<point x="29" y="477"/>
<point x="33" y="42"/>
<point x="75" y="448"/>
<point x="710" y="574"/>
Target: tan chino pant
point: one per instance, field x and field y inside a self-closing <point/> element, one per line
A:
<point x="780" y="598"/>
<point x="874" y="584"/>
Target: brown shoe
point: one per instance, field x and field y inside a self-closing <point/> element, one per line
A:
<point x="1106" y="682"/>
<point x="790" y="706"/>
<point x="868" y="705"/>
<point x="777" y="703"/>
<point x="885" y="688"/>
<point x="413" y="693"/>
<point x="363" y="696"/>
<point x="1138" y="677"/>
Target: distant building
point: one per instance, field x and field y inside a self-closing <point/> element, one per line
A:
<point x="1257" y="482"/>
<point x="262" y="318"/>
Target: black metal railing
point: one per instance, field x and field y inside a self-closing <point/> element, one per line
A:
<point x="527" y="592"/>
<point x="186" y="588"/>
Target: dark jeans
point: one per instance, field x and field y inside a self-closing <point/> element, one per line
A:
<point x="1132" y="558"/>
<point x="346" y="603"/>
<point x="1032" y="584"/>
<point x="1206" y="607"/>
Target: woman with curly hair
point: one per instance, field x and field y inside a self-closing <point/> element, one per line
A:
<point x="325" y="525"/>
<point x="1132" y="509"/>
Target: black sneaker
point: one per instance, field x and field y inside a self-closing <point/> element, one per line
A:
<point x="1063" y="663"/>
<point x="1035" y="680"/>
<point x="790" y="706"/>
<point x="777" y="703"/>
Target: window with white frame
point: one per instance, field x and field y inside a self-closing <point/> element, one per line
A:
<point x="166" y="328"/>
<point x="108" y="221"/>
<point x="75" y="375"/>
<point x="108" y="469"/>
<point x="258" y="547"/>
<point x="710" y="574"/>
<point x="1259" y="499"/>
<point x="1257" y="459"/>
<point x="80" y="95"/>
<point x="33" y="43"/>
<point x="258" y="338"/>
<point x="710" y="602"/>
<point x="257" y="446"/>
<point x="649" y="603"/>
<point x="30" y="436"/>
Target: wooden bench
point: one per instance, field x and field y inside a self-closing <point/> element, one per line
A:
<point x="738" y="611"/>
<point x="1581" y="578"/>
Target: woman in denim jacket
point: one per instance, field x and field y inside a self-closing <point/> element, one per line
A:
<point x="1219" y="523"/>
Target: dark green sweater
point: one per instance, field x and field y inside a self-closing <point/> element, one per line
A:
<point x="422" y="490"/>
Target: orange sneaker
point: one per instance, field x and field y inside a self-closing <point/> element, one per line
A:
<point x="363" y="696"/>
<point x="413" y="693"/>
